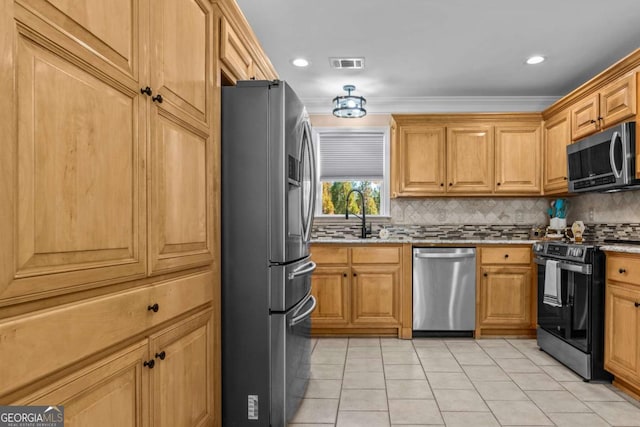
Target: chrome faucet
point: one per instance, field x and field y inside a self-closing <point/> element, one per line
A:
<point x="364" y="230"/>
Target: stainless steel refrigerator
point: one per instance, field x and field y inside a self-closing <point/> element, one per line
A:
<point x="268" y="195"/>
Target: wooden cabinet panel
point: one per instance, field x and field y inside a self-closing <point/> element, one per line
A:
<point x="618" y="101"/>
<point x="421" y="160"/>
<point x="112" y="29"/>
<point x="624" y="269"/>
<point x="112" y="392"/>
<point x="376" y="294"/>
<point x="375" y="255"/>
<point x="517" y="167"/>
<point x="584" y="117"/>
<point x="181" y="33"/>
<point x="330" y="287"/>
<point x="557" y="135"/>
<point x="622" y="331"/>
<point x="91" y="326"/>
<point x="505" y="296"/>
<point x="181" y="381"/>
<point x="80" y="186"/>
<point x="505" y="255"/>
<point x="181" y="197"/>
<point x="470" y="159"/>
<point x="234" y="55"/>
<point x="330" y="254"/>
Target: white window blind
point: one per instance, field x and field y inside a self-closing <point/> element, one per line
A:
<point x="351" y="155"/>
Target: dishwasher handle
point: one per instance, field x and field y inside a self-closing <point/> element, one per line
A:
<point x="442" y="255"/>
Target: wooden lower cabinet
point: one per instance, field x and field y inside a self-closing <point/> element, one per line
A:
<point x="112" y="392"/>
<point x="357" y="289"/>
<point x="166" y="379"/>
<point x="622" y="326"/>
<point x="506" y="295"/>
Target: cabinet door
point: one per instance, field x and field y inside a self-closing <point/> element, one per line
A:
<point x="470" y="159"/>
<point x="557" y="135"/>
<point x="584" y="117"/>
<point x="505" y="296"/>
<point x="622" y="331"/>
<point x="181" y="61"/>
<point x="75" y="183"/>
<point x="330" y="287"/>
<point x="421" y="163"/>
<point x="182" y="378"/>
<point x="113" y="392"/>
<point x="518" y="159"/>
<point x="375" y="295"/>
<point x="618" y="101"/>
<point x="236" y="59"/>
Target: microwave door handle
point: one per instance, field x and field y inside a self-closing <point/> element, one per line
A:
<point x="615" y="137"/>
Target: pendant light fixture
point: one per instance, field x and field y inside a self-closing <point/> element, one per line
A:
<point x="349" y="106"/>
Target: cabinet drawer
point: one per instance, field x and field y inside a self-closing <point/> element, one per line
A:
<point x="505" y="255"/>
<point x="624" y="269"/>
<point x="330" y="254"/>
<point x="375" y="255"/>
<point x="45" y="341"/>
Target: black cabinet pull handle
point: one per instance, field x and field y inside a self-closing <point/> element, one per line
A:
<point x="146" y="91"/>
<point x="155" y="307"/>
<point x="157" y="98"/>
<point x="622" y="271"/>
<point x="151" y="363"/>
<point x="592" y="121"/>
<point x="637" y="304"/>
<point x="161" y="355"/>
<point x="564" y="177"/>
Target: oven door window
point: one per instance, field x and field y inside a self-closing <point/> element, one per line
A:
<point x="571" y="322"/>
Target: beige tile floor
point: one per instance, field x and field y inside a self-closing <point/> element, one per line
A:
<point x="375" y="382"/>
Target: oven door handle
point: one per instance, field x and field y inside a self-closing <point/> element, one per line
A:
<point x="582" y="269"/>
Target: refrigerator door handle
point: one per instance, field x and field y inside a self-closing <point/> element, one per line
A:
<point x="300" y="317"/>
<point x="303" y="270"/>
<point x="308" y="210"/>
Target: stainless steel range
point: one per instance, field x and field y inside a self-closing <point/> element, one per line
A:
<point x="571" y="306"/>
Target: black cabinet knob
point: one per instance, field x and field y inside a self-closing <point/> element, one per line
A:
<point x="498" y="183"/>
<point x="150" y="364"/>
<point x="637" y="304"/>
<point x="161" y="355"/>
<point x="564" y="177"/>
<point x="622" y="271"/>
<point x="344" y="274"/>
<point x="355" y="274"/>
<point x="155" y="307"/>
<point x="592" y="121"/>
<point x="157" y="98"/>
<point x="485" y="274"/>
<point x="442" y="184"/>
<point x="146" y="91"/>
<point x="506" y="255"/>
<point x="450" y="184"/>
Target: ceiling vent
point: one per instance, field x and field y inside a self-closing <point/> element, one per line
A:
<point x="347" y="63"/>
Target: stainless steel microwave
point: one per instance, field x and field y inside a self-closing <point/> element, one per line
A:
<point x="605" y="161"/>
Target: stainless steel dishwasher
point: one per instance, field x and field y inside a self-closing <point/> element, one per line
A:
<point x="444" y="291"/>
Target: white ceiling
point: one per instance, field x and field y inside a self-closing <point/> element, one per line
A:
<point x="444" y="55"/>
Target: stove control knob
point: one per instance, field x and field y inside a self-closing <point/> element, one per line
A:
<point x="579" y="252"/>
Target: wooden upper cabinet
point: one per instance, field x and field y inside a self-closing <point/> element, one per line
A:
<point x="557" y="135"/>
<point x="517" y="168"/>
<point x="618" y="101"/>
<point x="612" y="104"/>
<point x="181" y="61"/>
<point x="237" y="62"/>
<point x="470" y="159"/>
<point x="77" y="172"/>
<point x="182" y="390"/>
<point x="584" y="117"/>
<point x="421" y="163"/>
<point x="181" y="193"/>
<point x="111" y="29"/>
<point x="111" y="392"/>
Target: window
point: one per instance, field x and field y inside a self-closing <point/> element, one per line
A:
<point x="352" y="159"/>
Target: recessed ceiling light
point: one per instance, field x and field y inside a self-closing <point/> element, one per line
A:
<point x="300" y="62"/>
<point x="536" y="59"/>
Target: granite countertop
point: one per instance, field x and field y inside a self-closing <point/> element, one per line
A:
<point x="618" y="247"/>
<point x="432" y="241"/>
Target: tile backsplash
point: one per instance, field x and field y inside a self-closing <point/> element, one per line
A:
<point x="605" y="208"/>
<point x="469" y="211"/>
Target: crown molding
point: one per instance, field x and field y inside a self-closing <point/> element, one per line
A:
<point x="442" y="104"/>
